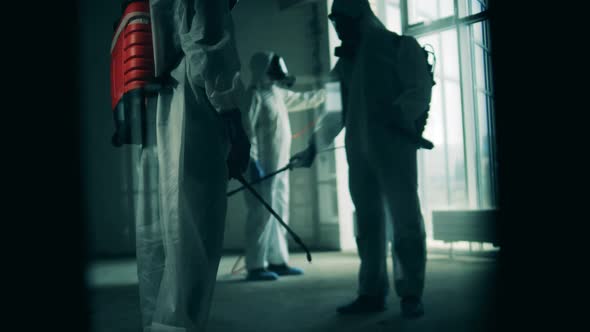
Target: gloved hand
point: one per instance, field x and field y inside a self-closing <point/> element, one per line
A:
<point x="413" y="130"/>
<point x="420" y="124"/>
<point x="255" y="169"/>
<point x="239" y="154"/>
<point x="304" y="158"/>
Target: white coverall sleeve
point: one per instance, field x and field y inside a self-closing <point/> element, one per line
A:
<point x="416" y="82"/>
<point x="330" y="124"/>
<point x="302" y="101"/>
<point x="253" y="120"/>
<point x="212" y="59"/>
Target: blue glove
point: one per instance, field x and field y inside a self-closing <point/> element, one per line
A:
<point x="256" y="171"/>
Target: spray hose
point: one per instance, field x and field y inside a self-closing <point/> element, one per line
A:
<point x="276" y="215"/>
<point x="270" y="175"/>
<point x="245" y="185"/>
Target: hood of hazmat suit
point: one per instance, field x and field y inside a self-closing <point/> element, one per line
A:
<point x="271" y="146"/>
<point x="386" y="81"/>
<point x="269" y="111"/>
<point x="182" y="178"/>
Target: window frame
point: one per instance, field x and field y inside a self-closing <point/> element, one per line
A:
<point x="471" y="127"/>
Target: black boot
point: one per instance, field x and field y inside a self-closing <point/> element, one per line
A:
<point x="364" y="304"/>
<point x="412" y="307"/>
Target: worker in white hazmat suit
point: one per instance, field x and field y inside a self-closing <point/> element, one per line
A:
<point x="196" y="141"/>
<point x="267" y="254"/>
<point x="386" y="88"/>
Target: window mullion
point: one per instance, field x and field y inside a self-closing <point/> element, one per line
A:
<point x="475" y="112"/>
<point x="420" y="29"/>
<point x="445" y="124"/>
<point x="403" y="6"/>
<point x="491" y="122"/>
<point x="468" y="116"/>
<point x="435" y="26"/>
<point x="461" y="8"/>
<point x="381" y="12"/>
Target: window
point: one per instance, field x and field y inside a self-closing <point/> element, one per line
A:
<point x="483" y="94"/>
<point x="426" y="11"/>
<point x="461" y="174"/>
<point x="471" y="7"/>
<point x="442" y="169"/>
<point x="392" y="16"/>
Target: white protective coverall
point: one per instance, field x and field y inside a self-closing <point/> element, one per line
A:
<point x="269" y="116"/>
<point x="384" y="87"/>
<point x="181" y="201"/>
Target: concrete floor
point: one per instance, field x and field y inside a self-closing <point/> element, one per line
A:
<point x="457" y="297"/>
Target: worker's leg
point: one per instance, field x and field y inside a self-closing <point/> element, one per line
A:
<point x="278" y="251"/>
<point x="397" y="169"/>
<point x="373" y="284"/>
<point x="370" y="239"/>
<point x="192" y="152"/>
<point x="257" y="227"/>
<point x="148" y="227"/>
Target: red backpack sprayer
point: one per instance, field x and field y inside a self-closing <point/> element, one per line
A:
<point x="132" y="69"/>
